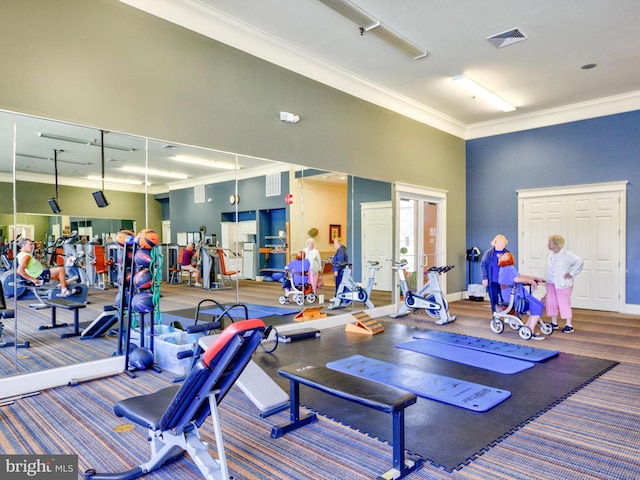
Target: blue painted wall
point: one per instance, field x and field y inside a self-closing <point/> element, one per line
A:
<point x="187" y="216"/>
<point x="605" y="149"/>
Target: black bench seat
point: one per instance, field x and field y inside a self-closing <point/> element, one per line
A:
<point x="358" y="390"/>
<point x="61" y="302"/>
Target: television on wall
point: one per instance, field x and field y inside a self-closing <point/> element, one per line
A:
<point x="54" y="205"/>
<point x="100" y="199"/>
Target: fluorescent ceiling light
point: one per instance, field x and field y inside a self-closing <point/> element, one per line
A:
<point x="156" y="173"/>
<point x="394" y="39"/>
<point x="368" y="23"/>
<point x="115" y="180"/>
<point x="37" y="157"/>
<point x="483" y="93"/>
<point x="92" y="143"/>
<point x="353" y="13"/>
<point x="205" y="162"/>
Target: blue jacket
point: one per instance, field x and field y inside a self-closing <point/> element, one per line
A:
<point x="489" y="265"/>
<point x="339" y="259"/>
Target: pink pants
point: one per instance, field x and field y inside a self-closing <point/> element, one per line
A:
<point x="313" y="280"/>
<point x="558" y="299"/>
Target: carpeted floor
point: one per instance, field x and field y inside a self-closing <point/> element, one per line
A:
<point x="594" y="434"/>
<point x="446" y="435"/>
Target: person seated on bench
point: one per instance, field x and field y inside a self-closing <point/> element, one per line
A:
<point x="188" y="254"/>
<point x="32" y="270"/>
<point x="509" y="276"/>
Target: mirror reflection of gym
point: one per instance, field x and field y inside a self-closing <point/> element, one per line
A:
<point x="80" y="210"/>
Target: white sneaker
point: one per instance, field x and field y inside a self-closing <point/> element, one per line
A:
<point x="64" y="292"/>
<point x="197" y="284"/>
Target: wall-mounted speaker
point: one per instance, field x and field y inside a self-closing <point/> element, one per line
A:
<point x="54" y="205"/>
<point x="100" y="199"/>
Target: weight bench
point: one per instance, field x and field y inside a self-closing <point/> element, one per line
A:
<point x="174" y="414"/>
<point x="363" y="392"/>
<point x="66" y="304"/>
<point x="5" y="314"/>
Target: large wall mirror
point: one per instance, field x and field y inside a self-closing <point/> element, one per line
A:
<point x="260" y="212"/>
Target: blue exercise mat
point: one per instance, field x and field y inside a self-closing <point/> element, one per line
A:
<point x="255" y="311"/>
<point x="452" y="391"/>
<point x="467" y="356"/>
<point x="491" y="346"/>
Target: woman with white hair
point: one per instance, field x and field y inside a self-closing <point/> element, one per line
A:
<point x="562" y="266"/>
<point x="315" y="263"/>
<point x="489" y="267"/>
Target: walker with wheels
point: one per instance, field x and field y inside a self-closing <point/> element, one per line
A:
<point x="513" y="313"/>
<point x="299" y="287"/>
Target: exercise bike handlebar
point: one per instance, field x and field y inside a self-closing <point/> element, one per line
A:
<point x="444" y="269"/>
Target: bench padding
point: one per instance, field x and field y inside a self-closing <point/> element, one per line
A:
<point x="364" y="392"/>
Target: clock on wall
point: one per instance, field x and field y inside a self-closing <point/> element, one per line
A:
<point x="233" y="199"/>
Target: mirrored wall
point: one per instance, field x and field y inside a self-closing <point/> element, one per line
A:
<point x="61" y="181"/>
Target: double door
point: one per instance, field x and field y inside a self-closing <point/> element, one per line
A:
<point x="591" y="219"/>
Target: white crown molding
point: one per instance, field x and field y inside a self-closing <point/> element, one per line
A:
<point x="601" y="107"/>
<point x="207" y="21"/>
<point x="214" y="24"/>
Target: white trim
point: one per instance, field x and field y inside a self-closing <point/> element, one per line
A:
<point x="573" y="189"/>
<point x="215" y="24"/>
<point x="437" y="196"/>
<point x="26" y="383"/>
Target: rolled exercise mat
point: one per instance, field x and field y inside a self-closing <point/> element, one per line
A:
<point x="452" y="391"/>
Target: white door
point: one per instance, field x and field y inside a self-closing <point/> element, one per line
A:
<point x="166" y="231"/>
<point x="377" y="242"/>
<point x="591" y="219"/>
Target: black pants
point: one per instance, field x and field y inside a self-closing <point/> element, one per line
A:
<point x="494" y="291"/>
<point x="338" y="279"/>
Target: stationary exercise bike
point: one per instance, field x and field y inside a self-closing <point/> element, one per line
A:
<point x="430" y="296"/>
<point x="349" y="291"/>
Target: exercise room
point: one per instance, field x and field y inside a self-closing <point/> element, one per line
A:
<point x="220" y="261"/>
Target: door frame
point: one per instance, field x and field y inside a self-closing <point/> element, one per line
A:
<point x="432" y="195"/>
<point x="593" y="188"/>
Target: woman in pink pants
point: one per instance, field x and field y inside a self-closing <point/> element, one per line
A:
<point x="562" y="266"/>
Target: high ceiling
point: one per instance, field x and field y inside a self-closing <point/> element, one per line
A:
<point x="542" y="75"/>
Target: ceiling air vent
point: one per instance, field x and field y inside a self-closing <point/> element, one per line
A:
<point x="507" y="38"/>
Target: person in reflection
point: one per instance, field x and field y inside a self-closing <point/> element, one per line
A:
<point x="490" y="269"/>
<point x="186" y="263"/>
<point x="315" y="263"/>
<point x="562" y="266"/>
<point x="33" y="271"/>
<point x="510" y="276"/>
<point x="339" y="260"/>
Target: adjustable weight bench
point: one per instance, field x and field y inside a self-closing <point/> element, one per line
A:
<point x="173" y="415"/>
<point x="363" y="392"/>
